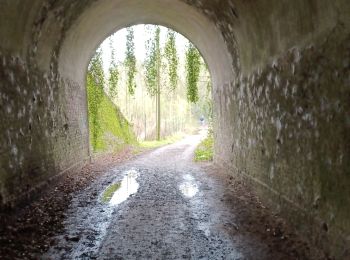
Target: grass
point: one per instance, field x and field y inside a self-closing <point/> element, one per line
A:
<point x="166" y="141"/>
<point x="108" y="193"/>
<point x="204" y="151"/>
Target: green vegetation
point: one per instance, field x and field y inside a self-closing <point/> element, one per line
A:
<point x="159" y="106"/>
<point x="95" y="84"/>
<point x="204" y="151"/>
<point x="172" y="59"/>
<point x="193" y="67"/>
<point x="153" y="73"/>
<point x="173" y="91"/>
<point x="130" y="60"/>
<point x="109" y="130"/>
<point x="108" y="193"/>
<point x="155" y="67"/>
<point x="113" y="72"/>
<point x="152" y="61"/>
<point x="115" y="131"/>
<point x="155" y="144"/>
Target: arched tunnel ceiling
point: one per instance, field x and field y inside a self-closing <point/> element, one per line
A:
<point x="105" y="17"/>
<point x="249" y="33"/>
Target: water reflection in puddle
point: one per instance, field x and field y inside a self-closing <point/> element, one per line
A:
<point x="189" y="188"/>
<point x="120" y="191"/>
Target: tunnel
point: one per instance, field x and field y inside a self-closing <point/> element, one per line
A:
<point x="281" y="93"/>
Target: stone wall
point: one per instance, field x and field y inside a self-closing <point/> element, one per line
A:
<point x="43" y="127"/>
<point x="289" y="126"/>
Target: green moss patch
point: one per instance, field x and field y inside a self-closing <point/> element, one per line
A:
<point x="204" y="151"/>
<point x="114" y="132"/>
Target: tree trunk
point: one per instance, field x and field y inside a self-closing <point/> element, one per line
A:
<point x="158" y="112"/>
<point x="158" y="97"/>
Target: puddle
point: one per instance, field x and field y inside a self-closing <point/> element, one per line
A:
<point x="108" y="193"/>
<point x="189" y="188"/>
<point x="204" y="226"/>
<point x="188" y="178"/>
<point x="121" y="191"/>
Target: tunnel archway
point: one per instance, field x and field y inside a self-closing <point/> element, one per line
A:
<point x="53" y="59"/>
<point x="105" y="17"/>
<point x="102" y="18"/>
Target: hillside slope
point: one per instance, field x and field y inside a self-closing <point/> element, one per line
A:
<point x="115" y="132"/>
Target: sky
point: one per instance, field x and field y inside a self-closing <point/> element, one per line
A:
<point x="140" y="38"/>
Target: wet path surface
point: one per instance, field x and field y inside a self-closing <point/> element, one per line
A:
<point x="160" y="206"/>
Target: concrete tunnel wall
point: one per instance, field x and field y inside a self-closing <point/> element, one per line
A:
<point x="281" y="95"/>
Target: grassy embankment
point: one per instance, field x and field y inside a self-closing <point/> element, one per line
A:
<point x="115" y="132"/>
<point x="204" y="151"/>
<point x="168" y="140"/>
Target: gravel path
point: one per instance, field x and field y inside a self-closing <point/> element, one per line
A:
<point x="166" y="207"/>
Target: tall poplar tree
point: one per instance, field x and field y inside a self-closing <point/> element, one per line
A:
<point x="172" y="66"/>
<point x="172" y="59"/>
<point x="113" y="72"/>
<point x="130" y="60"/>
<point x="193" y="65"/>
<point x="153" y="73"/>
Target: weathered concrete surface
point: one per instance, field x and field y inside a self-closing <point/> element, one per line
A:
<point x="43" y="130"/>
<point x="287" y="114"/>
<point x="281" y="91"/>
<point x="290" y="136"/>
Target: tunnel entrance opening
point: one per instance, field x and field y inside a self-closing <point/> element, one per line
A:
<point x="152" y="77"/>
<point x="105" y="17"/>
<point x="47" y="61"/>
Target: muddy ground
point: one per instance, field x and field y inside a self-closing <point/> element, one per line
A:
<point x="159" y="205"/>
<point x="27" y="232"/>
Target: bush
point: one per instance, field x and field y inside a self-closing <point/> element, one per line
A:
<point x="205" y="149"/>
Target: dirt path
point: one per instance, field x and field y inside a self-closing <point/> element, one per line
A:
<point x="168" y="207"/>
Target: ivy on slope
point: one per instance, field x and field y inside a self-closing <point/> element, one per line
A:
<point x="116" y="131"/>
<point x="109" y="130"/>
<point x="95" y="84"/>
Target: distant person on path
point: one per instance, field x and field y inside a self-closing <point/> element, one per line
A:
<point x="201" y="119"/>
